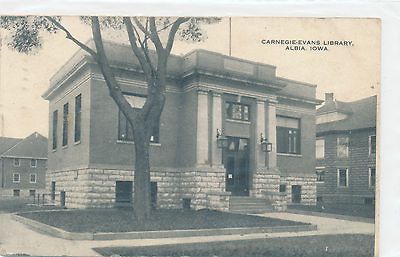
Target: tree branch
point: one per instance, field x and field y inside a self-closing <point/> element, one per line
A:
<point x="173" y="31"/>
<point x="154" y="36"/>
<point x="145" y="50"/>
<point x="141" y="27"/>
<point x="132" y="40"/>
<point x="109" y="77"/>
<point x="71" y="37"/>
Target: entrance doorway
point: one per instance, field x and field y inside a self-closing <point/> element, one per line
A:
<point x="236" y="162"/>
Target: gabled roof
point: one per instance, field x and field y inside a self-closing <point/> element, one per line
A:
<point x="360" y="114"/>
<point x="7" y="142"/>
<point x="33" y="146"/>
<point x="335" y="106"/>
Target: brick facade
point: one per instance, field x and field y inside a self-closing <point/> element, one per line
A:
<point x="186" y="162"/>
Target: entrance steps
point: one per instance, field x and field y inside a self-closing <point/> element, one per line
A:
<point x="249" y="205"/>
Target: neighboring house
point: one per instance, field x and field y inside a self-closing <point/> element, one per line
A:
<point x="346" y="151"/>
<point x="23" y="164"/>
<point x="91" y="152"/>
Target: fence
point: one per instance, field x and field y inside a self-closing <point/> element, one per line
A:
<point x="49" y="199"/>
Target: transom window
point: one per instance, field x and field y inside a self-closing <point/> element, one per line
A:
<point x="343" y="177"/>
<point x="288" y="135"/>
<point x="343" y="146"/>
<point x="237" y="111"/>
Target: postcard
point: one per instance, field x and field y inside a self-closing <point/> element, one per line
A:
<point x="189" y="136"/>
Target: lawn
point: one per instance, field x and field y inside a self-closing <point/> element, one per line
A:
<point x="15" y="204"/>
<point x="365" y="211"/>
<point x="121" y="220"/>
<point x="307" y="246"/>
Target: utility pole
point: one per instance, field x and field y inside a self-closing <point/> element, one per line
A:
<point x="230" y="36"/>
<point x="1" y="104"/>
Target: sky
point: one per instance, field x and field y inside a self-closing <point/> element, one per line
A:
<point x="350" y="72"/>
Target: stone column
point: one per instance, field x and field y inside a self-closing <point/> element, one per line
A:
<point x="260" y="129"/>
<point x="216" y="124"/>
<point x="202" y="128"/>
<point x="271" y="132"/>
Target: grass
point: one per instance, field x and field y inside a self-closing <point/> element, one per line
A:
<point x="365" y="211"/>
<point x="121" y="220"/>
<point x="307" y="246"/>
<point x="16" y="204"/>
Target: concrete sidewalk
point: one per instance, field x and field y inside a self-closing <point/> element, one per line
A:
<point x="17" y="238"/>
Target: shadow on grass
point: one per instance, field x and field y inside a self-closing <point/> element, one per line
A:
<point x="15" y="204"/>
<point x="308" y="246"/>
<point x="355" y="210"/>
<point x="122" y="220"/>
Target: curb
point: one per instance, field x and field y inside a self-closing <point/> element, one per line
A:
<point x="56" y="232"/>
<point x="332" y="215"/>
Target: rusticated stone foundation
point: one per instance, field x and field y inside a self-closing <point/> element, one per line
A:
<point x="265" y="180"/>
<point x="204" y="186"/>
<point x="94" y="188"/>
<point x="308" y="188"/>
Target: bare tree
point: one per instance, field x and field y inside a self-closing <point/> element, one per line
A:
<point x="25" y="36"/>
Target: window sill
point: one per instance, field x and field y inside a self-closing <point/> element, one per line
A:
<point x="132" y="143"/>
<point x="239" y="121"/>
<point x="320" y="182"/>
<point x="64" y="147"/>
<point x="289" y="154"/>
<point x="77" y="142"/>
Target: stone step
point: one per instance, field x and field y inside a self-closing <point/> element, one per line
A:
<point x="252" y="211"/>
<point x="246" y="204"/>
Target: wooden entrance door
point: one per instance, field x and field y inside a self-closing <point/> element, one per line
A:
<point x="236" y="162"/>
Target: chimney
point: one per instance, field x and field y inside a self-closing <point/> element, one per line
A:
<point x="328" y="97"/>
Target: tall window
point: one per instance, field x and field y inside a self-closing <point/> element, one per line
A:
<point x="65" y="125"/>
<point x="54" y="133"/>
<point x="237" y="111"/>
<point x="342" y="147"/>
<point x="17" y="162"/>
<point x="33" y="163"/>
<point x="32" y="178"/>
<point x="288" y="135"/>
<point x="320" y="148"/>
<point x="125" y="130"/>
<point x="343" y="177"/>
<point x="78" y="110"/>
<point x="320" y="175"/>
<point x="372" y="176"/>
<point x="16" y="178"/>
<point x="372" y="144"/>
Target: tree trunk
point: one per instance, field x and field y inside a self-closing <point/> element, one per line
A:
<point x="142" y="194"/>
